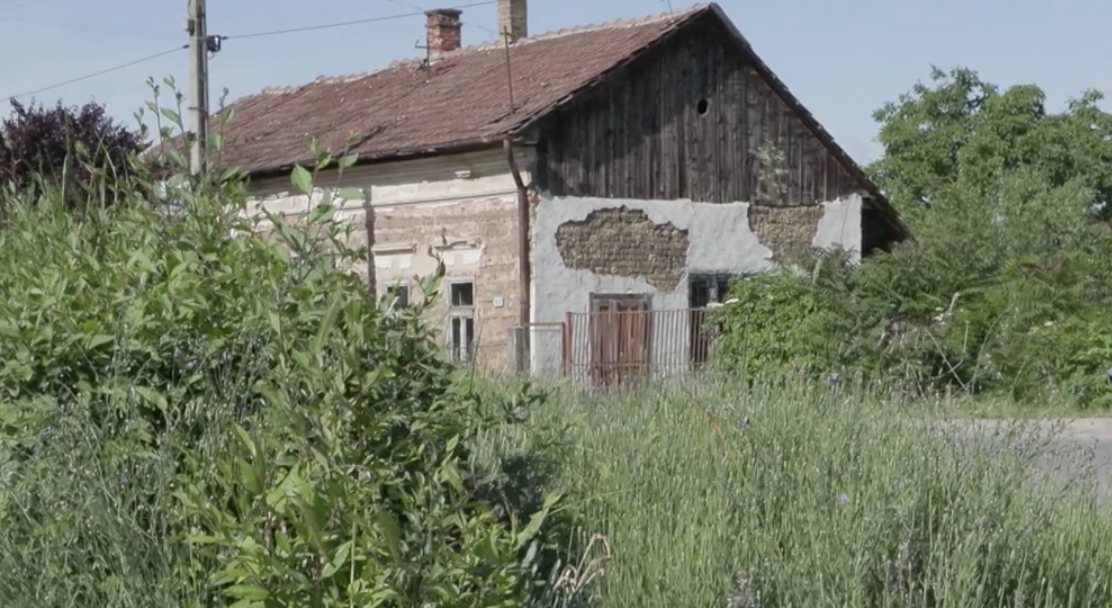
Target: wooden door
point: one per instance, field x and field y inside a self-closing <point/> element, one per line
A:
<point x="619" y="339"/>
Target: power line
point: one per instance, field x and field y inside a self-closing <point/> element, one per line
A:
<point x="481" y="26"/>
<point x="405" y="4"/>
<point x="345" y="23"/>
<point x="80" y="28"/>
<point x="16" y="4"/>
<point x="98" y="73"/>
<point x="414" y="6"/>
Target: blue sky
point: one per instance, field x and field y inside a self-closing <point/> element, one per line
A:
<point x="842" y="58"/>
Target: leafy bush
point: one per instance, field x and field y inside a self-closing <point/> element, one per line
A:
<point x="59" y="143"/>
<point x="777" y="322"/>
<point x="194" y="415"/>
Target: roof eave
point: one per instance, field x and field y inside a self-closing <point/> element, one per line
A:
<point x="457" y="147"/>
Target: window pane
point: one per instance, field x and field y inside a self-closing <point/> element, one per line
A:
<point x="462" y="294"/>
<point x="455" y="333"/>
<point x="399" y="294"/>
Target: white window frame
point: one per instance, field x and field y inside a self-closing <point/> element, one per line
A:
<point x="460" y="314"/>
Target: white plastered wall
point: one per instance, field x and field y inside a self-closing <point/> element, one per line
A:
<point x="720" y="241"/>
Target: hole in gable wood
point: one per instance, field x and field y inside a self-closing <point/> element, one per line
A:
<point x="702" y="107"/>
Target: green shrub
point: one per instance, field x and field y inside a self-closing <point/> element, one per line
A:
<point x="772" y="322"/>
<point x="191" y="415"/>
<point x="914" y="320"/>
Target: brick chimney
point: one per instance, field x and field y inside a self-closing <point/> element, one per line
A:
<point x="442" y="30"/>
<point x="513" y="19"/>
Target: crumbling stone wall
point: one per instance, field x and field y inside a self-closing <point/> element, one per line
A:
<point x="785" y="230"/>
<point x="625" y="242"/>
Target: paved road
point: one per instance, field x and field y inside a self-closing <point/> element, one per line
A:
<point x="1092" y="441"/>
<point x="1077" y="447"/>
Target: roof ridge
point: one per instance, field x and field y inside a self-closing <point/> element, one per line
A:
<point x="613" y="24"/>
<point x="415" y="62"/>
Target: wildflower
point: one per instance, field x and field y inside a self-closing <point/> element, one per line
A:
<point x="843" y="498"/>
<point x="1109" y="373"/>
<point x="833" y="378"/>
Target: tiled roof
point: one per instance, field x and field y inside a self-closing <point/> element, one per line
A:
<point x="461" y="99"/>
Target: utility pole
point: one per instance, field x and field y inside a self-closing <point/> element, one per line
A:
<point x="197" y="27"/>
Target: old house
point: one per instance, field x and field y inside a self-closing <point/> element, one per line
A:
<point x="562" y="177"/>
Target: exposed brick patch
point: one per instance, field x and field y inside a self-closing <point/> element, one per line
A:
<point x="785" y="230"/>
<point x="625" y="242"/>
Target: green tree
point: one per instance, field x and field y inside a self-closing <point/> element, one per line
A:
<point x="964" y="146"/>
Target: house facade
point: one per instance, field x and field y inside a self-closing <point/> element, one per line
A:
<point x="585" y="189"/>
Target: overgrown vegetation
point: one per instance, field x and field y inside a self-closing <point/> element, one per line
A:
<point x="1005" y="290"/>
<point x="199" y="410"/>
<point x="781" y="492"/>
<point x="194" y="415"/>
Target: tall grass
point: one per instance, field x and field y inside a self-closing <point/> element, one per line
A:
<point x="708" y="494"/>
<point x="91" y="518"/>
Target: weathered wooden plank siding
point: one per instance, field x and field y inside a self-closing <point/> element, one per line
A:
<point x="645" y="134"/>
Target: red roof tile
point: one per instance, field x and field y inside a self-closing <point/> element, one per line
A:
<point x="460" y="99"/>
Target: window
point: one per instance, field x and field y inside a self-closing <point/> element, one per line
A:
<point x="462" y="293"/>
<point x="702" y="291"/>
<point x="707" y="289"/>
<point x="461" y="319"/>
<point x="397" y="295"/>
